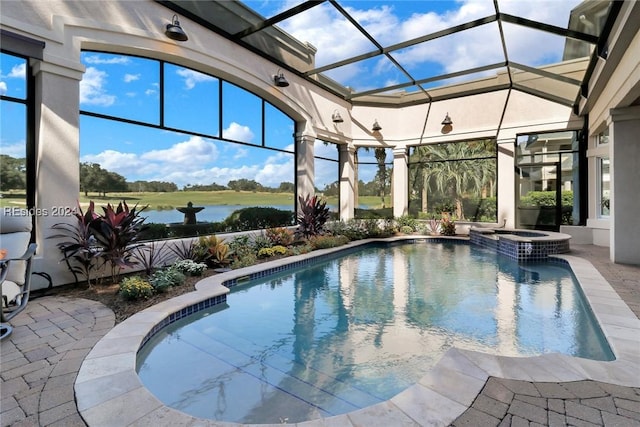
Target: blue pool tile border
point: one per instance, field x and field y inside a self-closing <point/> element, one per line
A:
<point x="182" y="313"/>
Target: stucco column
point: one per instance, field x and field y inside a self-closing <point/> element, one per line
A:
<point x="347" y="181"/>
<point x="305" y="173"/>
<point x="57" y="98"/>
<point x="400" y="182"/>
<point x="625" y="174"/>
<point x="506" y="181"/>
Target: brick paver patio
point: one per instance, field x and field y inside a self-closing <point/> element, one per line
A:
<point x="41" y="359"/>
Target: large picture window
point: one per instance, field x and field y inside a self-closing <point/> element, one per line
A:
<point x="374" y="169"/>
<point x="162" y="135"/>
<point x="327" y="173"/>
<point x="457" y="178"/>
<point x="14" y="104"/>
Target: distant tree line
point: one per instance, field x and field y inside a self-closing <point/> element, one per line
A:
<point x="12" y="173"/>
<point x="95" y="179"/>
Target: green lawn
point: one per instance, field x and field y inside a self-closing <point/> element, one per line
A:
<point x="198" y="198"/>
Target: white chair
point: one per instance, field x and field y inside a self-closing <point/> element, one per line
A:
<point x="15" y="277"/>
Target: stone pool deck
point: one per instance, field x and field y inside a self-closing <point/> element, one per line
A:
<point x="66" y="358"/>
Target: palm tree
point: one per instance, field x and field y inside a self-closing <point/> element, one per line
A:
<point x="456" y="169"/>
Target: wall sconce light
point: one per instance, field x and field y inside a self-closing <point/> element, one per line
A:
<point x="280" y="80"/>
<point x="336" y="117"/>
<point x="174" y="31"/>
<point x="376" y="127"/>
<point x="447" y="120"/>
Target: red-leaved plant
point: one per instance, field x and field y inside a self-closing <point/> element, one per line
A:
<point x="117" y="234"/>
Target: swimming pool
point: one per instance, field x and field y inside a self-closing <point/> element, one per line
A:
<point x="352" y="331"/>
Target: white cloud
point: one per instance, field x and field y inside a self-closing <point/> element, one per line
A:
<point x="327" y="30"/>
<point x="192" y="77"/>
<point x="92" y="89"/>
<point x="128" y="78"/>
<point x="3" y="88"/>
<point x="98" y="59"/>
<point x="115" y="161"/>
<point x="19" y="71"/>
<point x="185" y="155"/>
<point x="238" y="132"/>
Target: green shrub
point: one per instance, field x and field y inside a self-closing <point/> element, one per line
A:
<point x="407" y="221"/>
<point x="154" y="231"/>
<point x="406" y="229"/>
<point x="162" y="280"/>
<point x="326" y="241"/>
<point x="253" y="218"/>
<point x="135" y="287"/>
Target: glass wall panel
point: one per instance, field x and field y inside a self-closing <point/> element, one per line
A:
<point x="278" y="129"/>
<point x="454" y="178"/>
<point x="548" y="180"/>
<point x="13" y="132"/>
<point x="604" y="184"/>
<point x="121" y="86"/>
<point x="374" y="169"/>
<point x="191" y="100"/>
<point x="241" y="115"/>
<point x="327" y="173"/>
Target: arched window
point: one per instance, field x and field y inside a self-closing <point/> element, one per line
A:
<point x="162" y="134"/>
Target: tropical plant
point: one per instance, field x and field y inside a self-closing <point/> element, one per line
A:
<point x="81" y="251"/>
<point x="279" y="236"/>
<point x="447" y="226"/>
<point x="434" y="225"/>
<point x="151" y="256"/>
<point x="218" y="252"/>
<point x="116" y="232"/>
<point x="313" y="215"/>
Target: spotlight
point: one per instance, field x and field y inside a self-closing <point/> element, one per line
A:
<point x="174" y="31"/>
<point x="280" y="80"/>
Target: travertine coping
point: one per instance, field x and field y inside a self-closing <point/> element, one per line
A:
<point x="110" y="393"/>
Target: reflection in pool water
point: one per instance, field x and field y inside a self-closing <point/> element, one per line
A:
<point x="344" y="334"/>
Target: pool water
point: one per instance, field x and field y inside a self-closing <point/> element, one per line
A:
<point x="353" y="331"/>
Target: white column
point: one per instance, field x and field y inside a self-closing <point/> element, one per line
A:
<point x="347" y="181"/>
<point x="305" y="172"/>
<point x="506" y="181"/>
<point x="400" y="182"/>
<point x="625" y="176"/>
<point x="57" y="99"/>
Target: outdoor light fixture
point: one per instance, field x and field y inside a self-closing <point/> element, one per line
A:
<point x="174" y="31"/>
<point x="336" y="117"/>
<point x="376" y="127"/>
<point x="447" y="120"/>
<point x="280" y="80"/>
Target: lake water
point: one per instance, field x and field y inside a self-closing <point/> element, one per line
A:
<point x="210" y="213"/>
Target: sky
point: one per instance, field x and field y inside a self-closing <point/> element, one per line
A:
<point x="128" y="87"/>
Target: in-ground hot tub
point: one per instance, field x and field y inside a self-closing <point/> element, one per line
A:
<point x="521" y="245"/>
